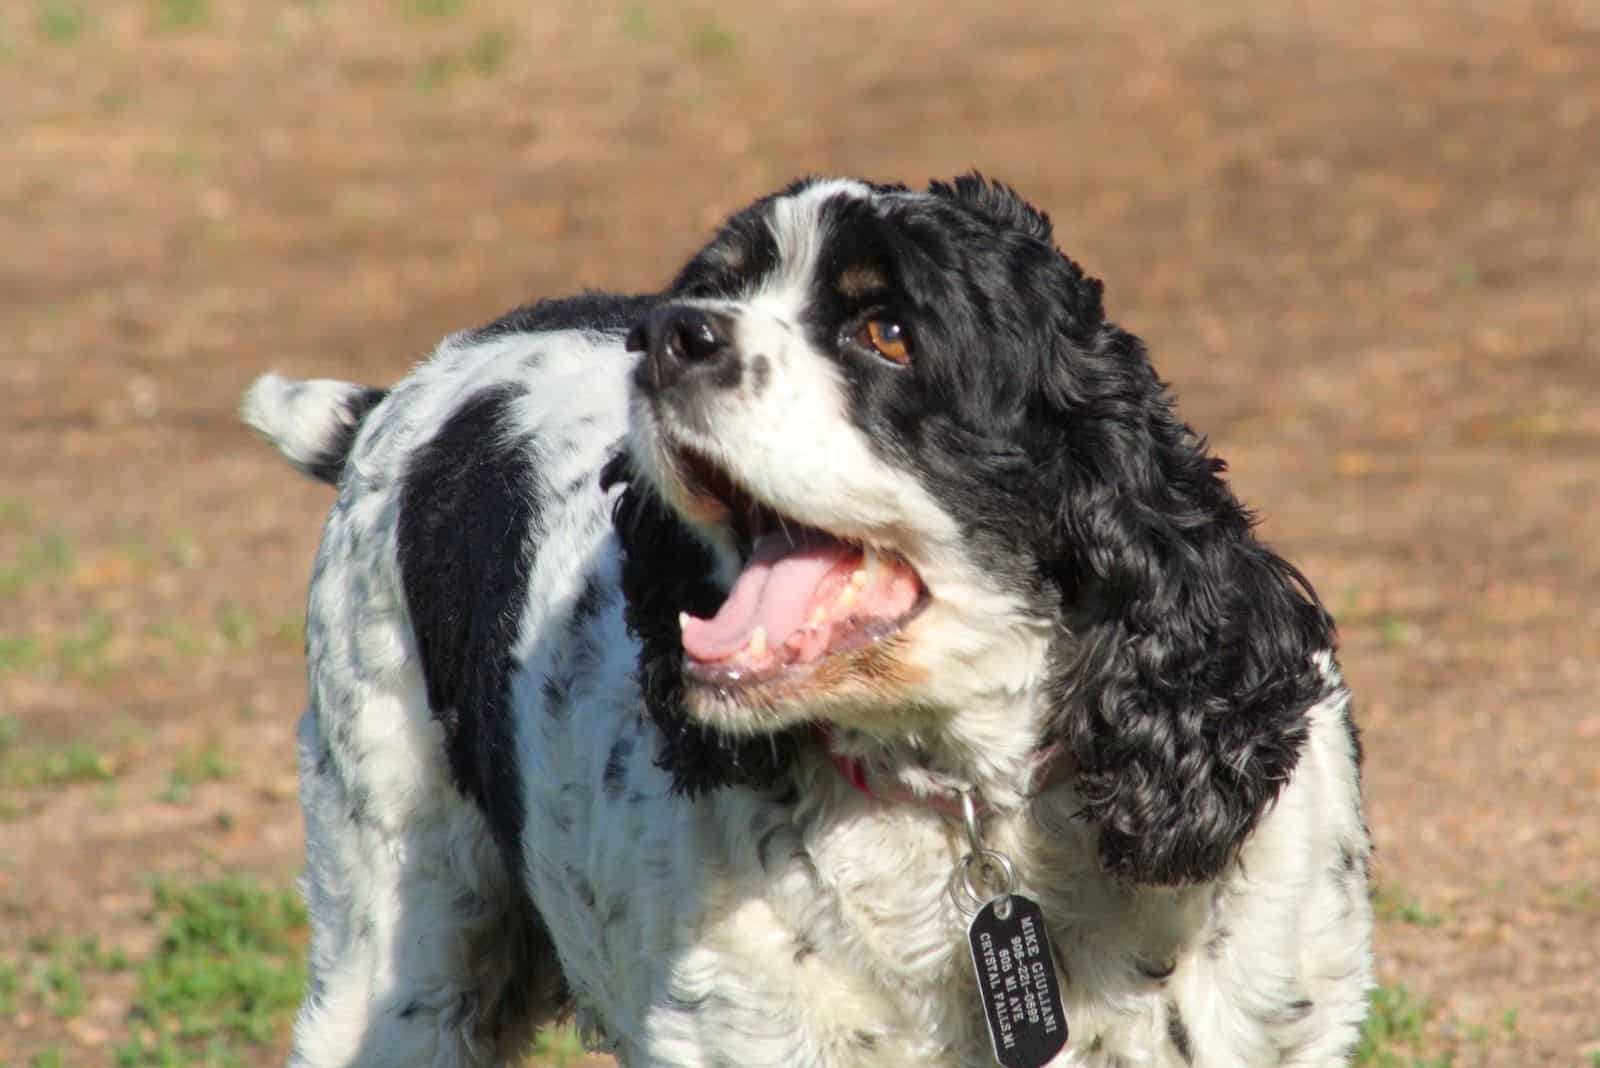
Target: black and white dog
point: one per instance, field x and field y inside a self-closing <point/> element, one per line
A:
<point x="656" y="642"/>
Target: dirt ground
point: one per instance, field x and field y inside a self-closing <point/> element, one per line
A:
<point x="1362" y="239"/>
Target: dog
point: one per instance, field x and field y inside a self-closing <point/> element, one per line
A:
<point x="709" y="663"/>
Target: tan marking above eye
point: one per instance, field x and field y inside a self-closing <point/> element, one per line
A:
<point x="861" y="280"/>
<point x="888" y="339"/>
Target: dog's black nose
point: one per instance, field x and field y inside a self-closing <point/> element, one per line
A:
<point x="677" y="339"/>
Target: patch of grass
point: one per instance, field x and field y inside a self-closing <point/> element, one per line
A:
<point x="78" y="762"/>
<point x="40" y="560"/>
<point x="15" y="512"/>
<point x="485" y="55"/>
<point x="710" y="38"/>
<point x="237" y="628"/>
<point x="488" y="51"/>
<point x="54" y="968"/>
<point x="20" y="653"/>
<point x="177" y="16"/>
<point x="187" y="551"/>
<point x="636" y="22"/>
<point x="1508" y="1022"/>
<point x="60" y="22"/>
<point x="226" y="975"/>
<point x="1394" y="632"/>
<point x="291" y="631"/>
<point x="557" y="1046"/>
<point x="10" y="983"/>
<point x="1394" y="902"/>
<point x="192" y="768"/>
<point x="87" y="655"/>
<point x="1580" y="896"/>
<point x="1392" y="1033"/>
<point x="49" y="1058"/>
<point x="10" y="731"/>
<point x="437" y="10"/>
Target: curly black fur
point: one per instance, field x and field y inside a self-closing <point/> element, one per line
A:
<point x="1185" y="663"/>
<point x="664" y="572"/>
<point x="1188" y="653"/>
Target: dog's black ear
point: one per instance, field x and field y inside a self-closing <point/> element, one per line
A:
<point x="666" y="570"/>
<point x="1188" y="656"/>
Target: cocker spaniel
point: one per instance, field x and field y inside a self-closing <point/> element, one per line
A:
<point x="843" y="657"/>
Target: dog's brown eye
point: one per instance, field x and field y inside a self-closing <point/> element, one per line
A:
<point x="887" y="338"/>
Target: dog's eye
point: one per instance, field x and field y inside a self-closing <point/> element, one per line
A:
<point x="887" y="338"/>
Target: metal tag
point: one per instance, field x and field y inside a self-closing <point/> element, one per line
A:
<point x="1017" y="982"/>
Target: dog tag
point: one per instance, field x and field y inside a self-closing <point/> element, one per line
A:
<point x="1017" y="981"/>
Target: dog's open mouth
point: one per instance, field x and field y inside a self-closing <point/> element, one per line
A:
<point x="802" y="596"/>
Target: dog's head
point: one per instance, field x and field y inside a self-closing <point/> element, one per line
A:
<point x="892" y="470"/>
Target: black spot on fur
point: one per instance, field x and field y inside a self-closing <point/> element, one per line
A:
<point x="665" y="570"/>
<point x="803" y="948"/>
<point x="327" y="464"/>
<point x="1298" y="1010"/>
<point x="865" y="1041"/>
<point x="1160" y="972"/>
<point x="1178" y="1033"/>
<point x="468" y="509"/>
<point x="760" y="373"/>
<point x="615" y="776"/>
<point x="603" y="312"/>
<point x="557" y="690"/>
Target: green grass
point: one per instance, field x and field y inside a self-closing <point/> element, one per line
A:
<point x="488" y="51"/>
<point x="78" y="762"/>
<point x="557" y="1047"/>
<point x="50" y="975"/>
<point x="712" y="39"/>
<point x="60" y="22"/>
<point x="432" y="9"/>
<point x="193" y="767"/>
<point x="1394" y="902"/>
<point x="636" y="22"/>
<point x="483" y="56"/>
<point x="44" y="558"/>
<point x="1391" y="1037"/>
<point x="175" y="16"/>
<point x="227" y="974"/>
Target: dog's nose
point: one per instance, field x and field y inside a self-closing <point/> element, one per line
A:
<point x="676" y="340"/>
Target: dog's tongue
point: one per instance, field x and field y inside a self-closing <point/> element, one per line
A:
<point x="775" y="591"/>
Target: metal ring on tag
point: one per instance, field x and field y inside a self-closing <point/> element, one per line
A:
<point x="967" y="893"/>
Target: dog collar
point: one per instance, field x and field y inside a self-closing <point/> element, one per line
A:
<point x="948" y="798"/>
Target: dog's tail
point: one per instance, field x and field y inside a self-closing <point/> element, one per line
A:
<point x="312" y="422"/>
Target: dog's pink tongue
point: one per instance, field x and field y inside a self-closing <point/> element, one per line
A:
<point x="775" y="591"/>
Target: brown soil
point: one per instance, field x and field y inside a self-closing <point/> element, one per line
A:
<point x="1362" y="239"/>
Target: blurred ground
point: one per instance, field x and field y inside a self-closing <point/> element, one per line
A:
<point x="1363" y="242"/>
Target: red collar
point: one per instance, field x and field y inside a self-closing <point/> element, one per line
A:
<point x="854" y="771"/>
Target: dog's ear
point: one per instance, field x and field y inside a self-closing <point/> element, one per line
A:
<point x="666" y="570"/>
<point x="1189" y="652"/>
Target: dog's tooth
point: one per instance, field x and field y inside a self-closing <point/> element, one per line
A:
<point x="819" y="616"/>
<point x="859" y="578"/>
<point x="683" y="620"/>
<point x="758" y="644"/>
<point x="847" y="599"/>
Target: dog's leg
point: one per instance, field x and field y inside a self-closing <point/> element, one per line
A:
<point x="421" y="951"/>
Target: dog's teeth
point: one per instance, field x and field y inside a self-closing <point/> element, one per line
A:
<point x="819" y="616"/>
<point x="847" y="599"/>
<point x="683" y="620"/>
<point x="859" y="578"/>
<point x="758" y="644"/>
